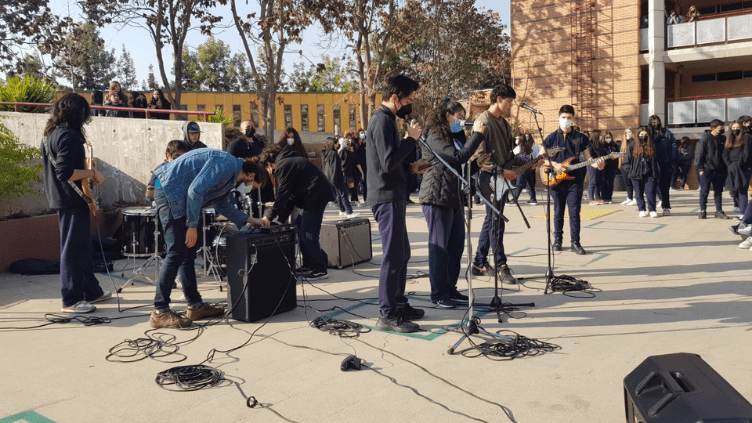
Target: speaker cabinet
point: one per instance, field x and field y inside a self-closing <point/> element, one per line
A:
<point x="681" y="388"/>
<point x="346" y="242"/>
<point x="260" y="274"/>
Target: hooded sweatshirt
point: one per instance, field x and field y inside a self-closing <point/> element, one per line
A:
<point x="187" y="139"/>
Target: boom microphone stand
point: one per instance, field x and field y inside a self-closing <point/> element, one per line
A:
<point x="550" y="270"/>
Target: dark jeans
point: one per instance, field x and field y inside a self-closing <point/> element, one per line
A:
<point x="681" y="171"/>
<point x="363" y="182"/>
<point x="569" y="194"/>
<point x="646" y="186"/>
<point x="354" y="190"/>
<point x="340" y="195"/>
<point x="595" y="178"/>
<point x="395" y="254"/>
<point x="716" y="179"/>
<point x="526" y="179"/>
<point x="309" y="228"/>
<point x="627" y="184"/>
<point x="664" y="184"/>
<point x="607" y="182"/>
<point x="488" y="237"/>
<point x="77" y="280"/>
<point x="179" y="260"/>
<point x="446" y="243"/>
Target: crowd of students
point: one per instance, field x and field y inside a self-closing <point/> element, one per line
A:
<point x="115" y="97"/>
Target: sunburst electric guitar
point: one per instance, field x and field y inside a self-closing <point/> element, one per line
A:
<point x="550" y="177"/>
<point x="487" y="182"/>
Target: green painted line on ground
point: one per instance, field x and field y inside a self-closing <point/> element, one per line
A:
<point x="518" y="252"/>
<point x="600" y="257"/>
<point x="595" y="224"/>
<point x="26" y="417"/>
<point x="658" y="228"/>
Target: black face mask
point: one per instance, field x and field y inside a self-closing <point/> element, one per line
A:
<point x="643" y="139"/>
<point x="656" y="125"/>
<point x="722" y="131"/>
<point x="250" y="131"/>
<point x="404" y="110"/>
<point x="735" y="132"/>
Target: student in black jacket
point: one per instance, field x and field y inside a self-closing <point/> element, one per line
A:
<point x="737" y="154"/>
<point x="683" y="163"/>
<point x="387" y="199"/>
<point x="64" y="174"/>
<point x="665" y="150"/>
<point x="642" y="167"/>
<point x="332" y="167"/>
<point x="711" y="167"/>
<point x="246" y="145"/>
<point x="192" y="135"/>
<point x="300" y="184"/>
<point x="442" y="197"/>
<point x="362" y="160"/>
<point x="610" y="168"/>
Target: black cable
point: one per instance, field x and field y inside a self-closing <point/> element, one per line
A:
<point x="341" y="328"/>
<point x="569" y="284"/>
<point x="53" y="319"/>
<point x="189" y="378"/>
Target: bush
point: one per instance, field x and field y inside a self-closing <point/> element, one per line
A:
<point x="220" y="117"/>
<point x="17" y="175"/>
<point x="27" y="90"/>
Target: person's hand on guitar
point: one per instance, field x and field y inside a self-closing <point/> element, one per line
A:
<point x="599" y="164"/>
<point x="98" y="178"/>
<point x="510" y="175"/>
<point x="478" y="126"/>
<point x="421" y="166"/>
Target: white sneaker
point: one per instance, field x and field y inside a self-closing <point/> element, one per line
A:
<point x="632" y="202"/>
<point x="746" y="244"/>
<point x="106" y="295"/>
<point x="744" y="230"/>
<point x="658" y="203"/>
<point x="353" y="215"/>
<point x="342" y="214"/>
<point x="643" y="213"/>
<point x="653" y="214"/>
<point x="625" y="202"/>
<point x="79" y="308"/>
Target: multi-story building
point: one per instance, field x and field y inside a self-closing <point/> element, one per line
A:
<point x="619" y="62"/>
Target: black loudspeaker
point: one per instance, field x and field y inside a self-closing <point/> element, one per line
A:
<point x="260" y="274"/>
<point x="346" y="242"/>
<point x="679" y="388"/>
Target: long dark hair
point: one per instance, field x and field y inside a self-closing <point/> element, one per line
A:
<point x="161" y="99"/>
<point x="437" y="120"/>
<point x="596" y="138"/>
<point x="297" y="144"/>
<point x="97" y="98"/>
<point x="735" y="141"/>
<point x="648" y="150"/>
<point x="652" y="131"/>
<point x="69" y="111"/>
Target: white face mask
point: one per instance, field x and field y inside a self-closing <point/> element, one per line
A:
<point x="290" y="141"/>
<point x="565" y="123"/>
<point x="608" y="139"/>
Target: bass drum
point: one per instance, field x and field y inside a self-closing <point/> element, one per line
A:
<point x="219" y="246"/>
<point x="138" y="232"/>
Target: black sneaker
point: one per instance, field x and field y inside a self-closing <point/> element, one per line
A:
<point x="702" y="215"/>
<point x="721" y="215"/>
<point x="315" y="275"/>
<point x="532" y="203"/>
<point x="459" y="297"/>
<point x="506" y="275"/>
<point x="556" y="245"/>
<point x="445" y="303"/>
<point x="410" y="313"/>
<point x="734" y="229"/>
<point x="395" y="322"/>
<point x="481" y="270"/>
<point x="577" y="248"/>
<point x="302" y="271"/>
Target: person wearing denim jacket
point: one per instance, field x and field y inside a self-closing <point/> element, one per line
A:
<point x="183" y="187"/>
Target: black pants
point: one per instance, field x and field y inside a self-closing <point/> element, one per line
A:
<point x="569" y="194"/>
<point x="77" y="278"/>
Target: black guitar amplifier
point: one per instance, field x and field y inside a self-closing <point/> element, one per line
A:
<point x="346" y="242"/>
<point x="260" y="274"/>
<point x="679" y="388"/>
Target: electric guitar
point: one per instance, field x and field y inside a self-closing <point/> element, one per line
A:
<point x="551" y="178"/>
<point x="487" y="181"/>
<point x="88" y="184"/>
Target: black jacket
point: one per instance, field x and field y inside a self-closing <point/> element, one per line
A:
<point x="187" y="138"/>
<point x="665" y="151"/>
<point x="709" y="153"/>
<point x="738" y="159"/>
<point x="440" y="187"/>
<point x="349" y="163"/>
<point x="299" y="184"/>
<point x="165" y="105"/>
<point x="640" y="167"/>
<point x="67" y="150"/>
<point x="332" y="167"/>
<point x="242" y="148"/>
<point x="384" y="156"/>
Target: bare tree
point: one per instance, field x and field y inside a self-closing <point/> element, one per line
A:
<point x="278" y="24"/>
<point x="29" y="23"/>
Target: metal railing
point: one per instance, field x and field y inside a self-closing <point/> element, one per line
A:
<point x="691" y="110"/>
<point x="147" y="112"/>
<point x="725" y="28"/>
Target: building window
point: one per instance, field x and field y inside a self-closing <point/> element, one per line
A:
<point x="709" y="10"/>
<point x="729" y="76"/>
<point x="304" y="117"/>
<point x="748" y="74"/>
<point x="708" y="77"/>
<point x="320" y="118"/>
<point x="237" y="115"/>
<point x="183" y="107"/>
<point x="201" y="107"/>
<point x="255" y="115"/>
<point x="219" y="107"/>
<point x="288" y="116"/>
<point x="732" y="6"/>
<point x="352" y="112"/>
<point x="337" y="119"/>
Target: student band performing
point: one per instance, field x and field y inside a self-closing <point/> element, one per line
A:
<point x="194" y="177"/>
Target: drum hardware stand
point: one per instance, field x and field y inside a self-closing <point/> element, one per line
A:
<point x="470" y="326"/>
<point x="210" y="264"/>
<point x="154" y="257"/>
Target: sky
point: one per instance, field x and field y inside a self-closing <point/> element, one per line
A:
<point x="138" y="42"/>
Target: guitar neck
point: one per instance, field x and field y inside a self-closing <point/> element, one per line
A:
<point x="588" y="162"/>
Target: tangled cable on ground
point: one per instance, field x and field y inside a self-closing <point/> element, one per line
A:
<point x="189" y="378"/>
<point x="520" y="346"/>
<point x="567" y="284"/>
<point x="341" y="328"/>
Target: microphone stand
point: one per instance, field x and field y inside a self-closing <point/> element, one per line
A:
<point x="550" y="270"/>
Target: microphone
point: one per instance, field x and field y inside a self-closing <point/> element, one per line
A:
<point x="526" y="107"/>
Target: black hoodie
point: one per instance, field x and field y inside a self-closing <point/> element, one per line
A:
<point x="709" y="153"/>
<point x="299" y="184"/>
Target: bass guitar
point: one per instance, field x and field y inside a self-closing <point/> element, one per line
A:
<point x="487" y="181"/>
<point x="551" y="178"/>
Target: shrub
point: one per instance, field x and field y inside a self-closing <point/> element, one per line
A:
<point x="16" y="172"/>
<point x="27" y="90"/>
<point x="220" y="117"/>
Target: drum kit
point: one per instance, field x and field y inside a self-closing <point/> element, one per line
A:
<point x="141" y="237"/>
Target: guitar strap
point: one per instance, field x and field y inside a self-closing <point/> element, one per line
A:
<point x="80" y="193"/>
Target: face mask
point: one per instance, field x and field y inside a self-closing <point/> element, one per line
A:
<point x="722" y="131"/>
<point x="455" y="127"/>
<point x="608" y="140"/>
<point x="290" y="141"/>
<point x="644" y="139"/>
<point x="249" y="132"/>
<point x="362" y="136"/>
<point x="565" y="123"/>
<point x="404" y="110"/>
<point x="656" y="125"/>
<point x="735" y="132"/>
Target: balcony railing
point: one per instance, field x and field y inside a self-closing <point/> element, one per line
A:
<point x="703" y="110"/>
<point x="732" y="27"/>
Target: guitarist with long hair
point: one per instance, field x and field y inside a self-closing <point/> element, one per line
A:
<point x="568" y="192"/>
<point x="66" y="179"/>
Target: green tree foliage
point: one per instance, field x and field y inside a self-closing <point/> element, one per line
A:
<point x="17" y="174"/>
<point x="30" y="65"/>
<point x="220" y="116"/>
<point x="84" y="60"/>
<point x="329" y="76"/>
<point x="150" y="84"/>
<point x="212" y="68"/>
<point x="125" y="71"/>
<point x="27" y="90"/>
